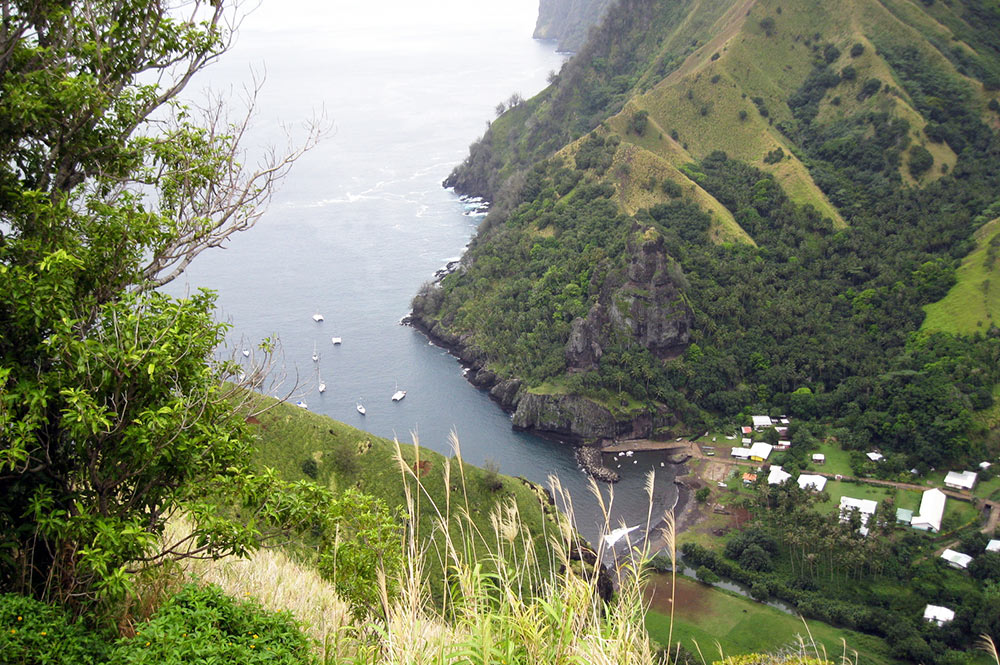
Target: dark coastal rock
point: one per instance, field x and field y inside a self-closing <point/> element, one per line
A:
<point x="484" y="378"/>
<point x="592" y="461"/>
<point x="506" y="393"/>
<point x="568" y="415"/>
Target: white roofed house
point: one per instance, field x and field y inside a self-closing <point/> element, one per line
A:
<point x="777" y="475"/>
<point x="874" y="456"/>
<point x="740" y="453"/>
<point x="865" y="507"/>
<point x="960" y="480"/>
<point x="956" y="559"/>
<point x="760" y="451"/>
<point x="783" y="444"/>
<point x="819" y="458"/>
<point x="812" y="482"/>
<point x="931" y="511"/>
<point x="993" y="546"/>
<point x="937" y="614"/>
<point x="761" y="422"/>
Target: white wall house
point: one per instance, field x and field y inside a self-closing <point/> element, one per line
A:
<point x="956" y="559"/>
<point x="931" y="511"/>
<point x="960" y="480"/>
<point x="937" y="614"/>
<point x="812" y="482"/>
<point x="866" y="507"/>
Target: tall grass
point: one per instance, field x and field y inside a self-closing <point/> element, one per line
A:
<point x="528" y="599"/>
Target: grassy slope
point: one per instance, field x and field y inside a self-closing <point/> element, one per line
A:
<point x="348" y="457"/>
<point x="973" y="304"/>
<point x="719" y="620"/>
<point x="748" y="64"/>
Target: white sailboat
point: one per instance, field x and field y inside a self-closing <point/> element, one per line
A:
<point x="315" y="353"/>
<point x="361" y="408"/>
<point x="335" y="340"/>
<point x="322" y="384"/>
<point x="399" y="394"/>
<point x="302" y="404"/>
<point x="317" y="317"/>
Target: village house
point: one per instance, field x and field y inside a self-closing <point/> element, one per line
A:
<point x="812" y="482"/>
<point x="777" y="475"/>
<point x="761" y="422"/>
<point x="931" y="512"/>
<point x="819" y="458"/>
<point x="874" y="456"/>
<point x="749" y="478"/>
<point x="956" y="559"/>
<point x="904" y="516"/>
<point x="993" y="546"/>
<point x="937" y="614"/>
<point x="760" y="451"/>
<point x="866" y="507"/>
<point x="740" y="453"/>
<point x="783" y="445"/>
<point x="964" y="480"/>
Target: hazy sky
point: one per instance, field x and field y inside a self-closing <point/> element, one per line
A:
<point x="361" y="18"/>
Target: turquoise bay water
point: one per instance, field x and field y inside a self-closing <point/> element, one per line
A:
<point x="362" y="221"/>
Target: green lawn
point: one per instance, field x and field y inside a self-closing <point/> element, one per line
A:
<point x="836" y="488"/>
<point x="837" y="460"/>
<point x="988" y="490"/>
<point x="717" y="620"/>
<point x="973" y="304"/>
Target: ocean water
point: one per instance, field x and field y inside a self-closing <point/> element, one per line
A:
<point x="362" y="220"/>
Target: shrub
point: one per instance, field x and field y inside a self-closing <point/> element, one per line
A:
<point x="310" y="468"/>
<point x="857" y="49"/>
<point x="701" y="496"/>
<point x="768" y="26"/>
<point x="204" y="625"/>
<point x="920" y="160"/>
<point x="706" y="575"/>
<point x="32" y="632"/>
<point x="848" y="73"/>
<point x="830" y="53"/>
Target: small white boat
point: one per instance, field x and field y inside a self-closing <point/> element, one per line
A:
<point x="361" y="408"/>
<point x="246" y="353"/>
<point x="335" y="340"/>
<point x="398" y="395"/>
<point x="317" y="317"/>
<point x="315" y="354"/>
<point x="322" y="387"/>
<point x="302" y="404"/>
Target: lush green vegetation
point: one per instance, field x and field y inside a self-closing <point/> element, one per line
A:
<point x="973" y="304"/>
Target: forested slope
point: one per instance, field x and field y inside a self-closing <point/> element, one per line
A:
<point x="719" y="206"/>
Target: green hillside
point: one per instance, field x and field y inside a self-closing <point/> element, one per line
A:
<point x="716" y="204"/>
<point x="973" y="304"/>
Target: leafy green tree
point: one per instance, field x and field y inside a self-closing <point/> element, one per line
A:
<point x="114" y="414"/>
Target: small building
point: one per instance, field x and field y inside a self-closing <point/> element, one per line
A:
<point x="782" y="431"/>
<point x="777" y="475"/>
<point x="964" y="480"/>
<point x="783" y="445"/>
<point x="874" y="456"/>
<point x="746" y="441"/>
<point x="749" y="478"/>
<point x="761" y="422"/>
<point x="784" y="420"/>
<point x="984" y="465"/>
<point x="904" y="516"/>
<point x="937" y="614"/>
<point x="993" y="546"/>
<point x="740" y="453"/>
<point x="819" y="458"/>
<point x="760" y="451"/>
<point x="812" y="482"/>
<point x="746" y="430"/>
<point x="866" y="507"/>
<point x="931" y="511"/>
<point x="956" y="559"/>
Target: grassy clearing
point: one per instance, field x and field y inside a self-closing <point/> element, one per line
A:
<point x="717" y="620"/>
<point x="909" y="499"/>
<point x="973" y="304"/>
<point x="837" y="460"/>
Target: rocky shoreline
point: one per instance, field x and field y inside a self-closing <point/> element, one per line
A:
<point x="565" y="419"/>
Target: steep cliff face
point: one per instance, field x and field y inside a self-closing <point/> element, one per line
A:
<point x="646" y="309"/>
<point x="568" y="21"/>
